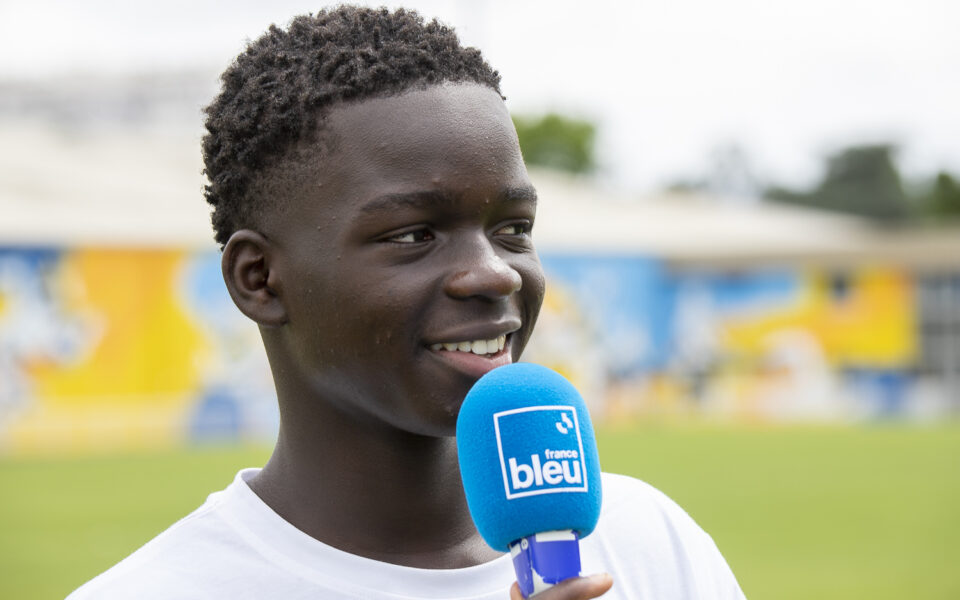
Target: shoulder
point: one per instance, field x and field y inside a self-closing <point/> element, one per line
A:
<point x="625" y="496"/>
<point x="631" y="506"/>
<point x="659" y="549"/>
<point x="162" y="567"/>
<point x="620" y="490"/>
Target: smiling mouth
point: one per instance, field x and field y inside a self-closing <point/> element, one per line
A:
<point x="479" y="347"/>
<point x="477" y="357"/>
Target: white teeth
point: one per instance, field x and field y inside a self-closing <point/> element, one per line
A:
<point x="476" y="347"/>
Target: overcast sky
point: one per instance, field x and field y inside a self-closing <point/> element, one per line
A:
<point x="668" y="81"/>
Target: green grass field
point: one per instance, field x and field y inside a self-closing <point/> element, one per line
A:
<point x="799" y="512"/>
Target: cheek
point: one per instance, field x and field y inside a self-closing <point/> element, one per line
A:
<point x="370" y="324"/>
<point x="531" y="294"/>
<point x="327" y="322"/>
<point x="534" y="285"/>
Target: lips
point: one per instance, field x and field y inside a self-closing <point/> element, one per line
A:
<point x="475" y="352"/>
<point x="481" y="347"/>
<point x="474" y="365"/>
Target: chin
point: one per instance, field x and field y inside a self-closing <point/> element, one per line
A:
<point x="441" y="423"/>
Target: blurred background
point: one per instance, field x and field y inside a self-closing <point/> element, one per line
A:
<point x="750" y="224"/>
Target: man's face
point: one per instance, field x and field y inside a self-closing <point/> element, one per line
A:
<point x="406" y="260"/>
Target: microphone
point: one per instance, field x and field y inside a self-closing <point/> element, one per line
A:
<point x="530" y="470"/>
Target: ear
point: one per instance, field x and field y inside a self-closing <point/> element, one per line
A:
<point x="252" y="283"/>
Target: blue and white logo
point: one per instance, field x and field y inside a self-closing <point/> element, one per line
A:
<point x="541" y="451"/>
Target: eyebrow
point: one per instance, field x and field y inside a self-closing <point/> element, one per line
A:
<point x="432" y="198"/>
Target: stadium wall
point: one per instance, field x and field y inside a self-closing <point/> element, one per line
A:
<point x="113" y="347"/>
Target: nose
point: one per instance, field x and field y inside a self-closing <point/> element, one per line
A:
<point x="480" y="272"/>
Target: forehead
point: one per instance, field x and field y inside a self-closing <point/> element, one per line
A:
<point x="460" y="121"/>
<point x="456" y="140"/>
<point x="442" y="137"/>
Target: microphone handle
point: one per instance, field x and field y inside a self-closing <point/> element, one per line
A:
<point x="544" y="559"/>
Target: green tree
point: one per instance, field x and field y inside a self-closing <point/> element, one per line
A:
<point x="860" y="180"/>
<point x="557" y="142"/>
<point x="943" y="200"/>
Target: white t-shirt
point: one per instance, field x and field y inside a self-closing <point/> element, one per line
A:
<point x="235" y="547"/>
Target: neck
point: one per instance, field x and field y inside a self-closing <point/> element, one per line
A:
<point x="371" y="490"/>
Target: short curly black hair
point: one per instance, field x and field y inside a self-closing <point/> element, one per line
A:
<point x="275" y="93"/>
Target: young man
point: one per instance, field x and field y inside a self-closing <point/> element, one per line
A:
<point x="375" y="216"/>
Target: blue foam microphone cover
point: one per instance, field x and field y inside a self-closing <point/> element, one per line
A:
<point x="528" y="455"/>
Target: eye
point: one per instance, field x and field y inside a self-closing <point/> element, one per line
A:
<point x="519" y="228"/>
<point x="411" y="237"/>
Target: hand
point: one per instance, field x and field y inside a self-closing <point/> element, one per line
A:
<point x="577" y="588"/>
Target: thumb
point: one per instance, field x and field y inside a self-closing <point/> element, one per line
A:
<point x="576" y="588"/>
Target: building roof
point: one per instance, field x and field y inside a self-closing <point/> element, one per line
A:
<point x="692" y="231"/>
<point x="111" y="187"/>
<point x="114" y="186"/>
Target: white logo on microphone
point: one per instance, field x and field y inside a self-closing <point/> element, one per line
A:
<point x="566" y="425"/>
<point x="541" y="451"/>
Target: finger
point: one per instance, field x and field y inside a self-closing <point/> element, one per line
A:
<point x="577" y="588"/>
<point x="580" y="588"/>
